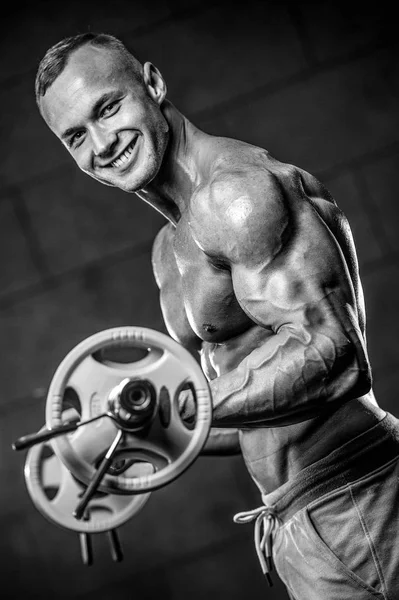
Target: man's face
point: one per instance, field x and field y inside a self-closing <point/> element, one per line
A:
<point x="111" y="124"/>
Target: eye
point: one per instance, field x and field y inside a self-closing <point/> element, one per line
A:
<point x="75" y="138"/>
<point x="110" y="109"/>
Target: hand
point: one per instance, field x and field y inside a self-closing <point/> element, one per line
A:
<point x="187" y="407"/>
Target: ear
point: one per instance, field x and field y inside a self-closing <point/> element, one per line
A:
<point x="154" y="82"/>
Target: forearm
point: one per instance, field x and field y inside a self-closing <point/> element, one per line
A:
<point x="292" y="376"/>
<point x="222" y="442"/>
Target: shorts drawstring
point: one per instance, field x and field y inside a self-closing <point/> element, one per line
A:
<point x="266" y="517"/>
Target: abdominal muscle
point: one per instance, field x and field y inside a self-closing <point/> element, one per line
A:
<point x="273" y="455"/>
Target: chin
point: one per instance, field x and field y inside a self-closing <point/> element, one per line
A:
<point x="139" y="180"/>
<point x="127" y="184"/>
<point x="133" y="184"/>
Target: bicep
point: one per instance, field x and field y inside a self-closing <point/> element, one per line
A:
<point x="306" y="288"/>
<point x="316" y="352"/>
<point x="290" y="276"/>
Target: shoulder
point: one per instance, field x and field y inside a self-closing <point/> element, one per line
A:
<point x="163" y="238"/>
<point x="162" y="251"/>
<point x="243" y="209"/>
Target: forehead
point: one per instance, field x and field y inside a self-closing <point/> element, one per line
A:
<point x="90" y="71"/>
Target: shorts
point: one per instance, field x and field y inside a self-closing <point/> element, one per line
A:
<point x="337" y="536"/>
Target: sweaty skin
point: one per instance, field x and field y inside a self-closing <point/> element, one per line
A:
<point x="256" y="266"/>
<point x="260" y="275"/>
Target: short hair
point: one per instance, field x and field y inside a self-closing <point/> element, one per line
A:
<point x="56" y="58"/>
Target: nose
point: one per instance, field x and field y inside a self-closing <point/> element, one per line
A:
<point x="103" y="142"/>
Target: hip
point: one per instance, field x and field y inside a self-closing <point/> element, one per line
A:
<point x="274" y="456"/>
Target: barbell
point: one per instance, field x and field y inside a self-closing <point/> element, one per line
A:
<point x="124" y="435"/>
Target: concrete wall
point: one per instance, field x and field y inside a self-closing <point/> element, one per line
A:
<point x="316" y="83"/>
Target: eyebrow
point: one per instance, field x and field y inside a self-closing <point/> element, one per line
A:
<point x="95" y="108"/>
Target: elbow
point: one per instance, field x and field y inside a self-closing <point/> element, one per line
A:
<point x="362" y="364"/>
<point x="364" y="382"/>
<point x="358" y="374"/>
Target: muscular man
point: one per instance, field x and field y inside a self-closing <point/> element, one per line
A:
<point x="257" y="272"/>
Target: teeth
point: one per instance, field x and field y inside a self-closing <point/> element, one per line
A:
<point x="124" y="157"/>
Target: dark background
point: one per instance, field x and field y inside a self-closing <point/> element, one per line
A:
<point x="314" y="83"/>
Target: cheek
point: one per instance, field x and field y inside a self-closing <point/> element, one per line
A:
<point x="82" y="158"/>
<point x="158" y="133"/>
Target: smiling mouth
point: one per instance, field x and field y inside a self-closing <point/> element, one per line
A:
<point x="125" y="156"/>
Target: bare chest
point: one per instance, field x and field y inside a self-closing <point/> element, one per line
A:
<point x="199" y="290"/>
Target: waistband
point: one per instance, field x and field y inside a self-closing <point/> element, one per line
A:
<point x="353" y="460"/>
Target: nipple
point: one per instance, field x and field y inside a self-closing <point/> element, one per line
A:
<point x="209" y="328"/>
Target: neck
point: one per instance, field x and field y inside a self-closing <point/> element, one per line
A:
<point x="171" y="189"/>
